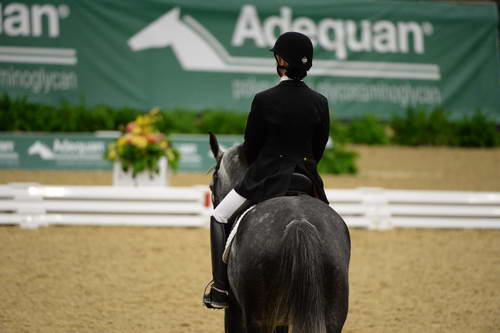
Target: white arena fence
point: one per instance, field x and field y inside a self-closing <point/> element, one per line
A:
<point x="32" y="205"/>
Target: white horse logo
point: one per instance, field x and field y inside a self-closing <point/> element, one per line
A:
<point x="194" y="46"/>
<point x="41" y="149"/>
<point x="197" y="49"/>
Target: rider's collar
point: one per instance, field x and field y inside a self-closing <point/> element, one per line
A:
<point x="285" y="78"/>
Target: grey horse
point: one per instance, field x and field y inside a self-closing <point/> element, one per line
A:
<point x="288" y="264"/>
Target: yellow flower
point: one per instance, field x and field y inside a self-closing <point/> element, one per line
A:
<point x="137" y="130"/>
<point x="170" y="154"/>
<point x="139" y="142"/>
<point x="141" y="121"/>
<point x="148" y="129"/>
<point x="112" y="154"/>
<point x="122" y="140"/>
<point x="141" y="133"/>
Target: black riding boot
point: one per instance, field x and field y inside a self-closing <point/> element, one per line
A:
<point x="217" y="297"/>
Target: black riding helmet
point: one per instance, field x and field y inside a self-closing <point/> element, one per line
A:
<point x="297" y="50"/>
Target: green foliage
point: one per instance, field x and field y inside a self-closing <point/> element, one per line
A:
<point x="178" y="121"/>
<point x="17" y="114"/>
<point x="477" y="131"/>
<point x="420" y="127"/>
<point x="338" y="160"/>
<point x="367" y="130"/>
<point x="416" y="127"/>
<point x="339" y="132"/>
<point x="140" y="160"/>
<point x="223" y="122"/>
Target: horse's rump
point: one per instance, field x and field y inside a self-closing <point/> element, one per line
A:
<point x="287" y="255"/>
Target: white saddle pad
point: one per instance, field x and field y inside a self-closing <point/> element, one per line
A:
<point x="227" y="249"/>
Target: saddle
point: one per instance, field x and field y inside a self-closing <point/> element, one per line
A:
<point x="299" y="185"/>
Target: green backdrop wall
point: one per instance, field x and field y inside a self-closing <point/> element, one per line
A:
<point x="84" y="151"/>
<point x="369" y="56"/>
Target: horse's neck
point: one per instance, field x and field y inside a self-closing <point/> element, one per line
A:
<point x="231" y="171"/>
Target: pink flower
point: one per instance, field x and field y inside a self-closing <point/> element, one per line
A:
<point x="131" y="126"/>
<point x="152" y="138"/>
<point x="128" y="138"/>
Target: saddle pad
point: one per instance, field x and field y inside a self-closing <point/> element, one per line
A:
<point x="227" y="249"/>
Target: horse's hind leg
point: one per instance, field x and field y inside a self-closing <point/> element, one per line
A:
<point x="233" y="321"/>
<point x="256" y="327"/>
<point x="333" y="329"/>
<point x="257" y="324"/>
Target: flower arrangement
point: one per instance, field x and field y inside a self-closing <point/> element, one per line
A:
<point x="142" y="145"/>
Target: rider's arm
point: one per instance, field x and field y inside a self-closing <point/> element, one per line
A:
<point x="255" y="132"/>
<point x="322" y="132"/>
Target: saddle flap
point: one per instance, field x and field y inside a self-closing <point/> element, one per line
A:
<point x="229" y="241"/>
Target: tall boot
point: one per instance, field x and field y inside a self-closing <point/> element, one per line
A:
<point x="217" y="297"/>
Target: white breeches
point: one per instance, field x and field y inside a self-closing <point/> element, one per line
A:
<point x="226" y="208"/>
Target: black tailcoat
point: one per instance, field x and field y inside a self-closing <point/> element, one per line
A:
<point x="287" y="130"/>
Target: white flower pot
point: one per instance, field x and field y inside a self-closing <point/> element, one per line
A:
<point x="143" y="179"/>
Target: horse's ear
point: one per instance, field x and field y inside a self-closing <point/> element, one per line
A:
<point x="214" y="146"/>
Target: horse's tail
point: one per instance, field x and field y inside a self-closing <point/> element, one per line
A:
<point x="302" y="278"/>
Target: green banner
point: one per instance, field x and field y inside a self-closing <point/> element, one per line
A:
<point x="69" y="151"/>
<point x="369" y="56"/>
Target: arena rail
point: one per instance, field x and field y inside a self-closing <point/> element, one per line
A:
<point x="32" y="205"/>
<point x="378" y="208"/>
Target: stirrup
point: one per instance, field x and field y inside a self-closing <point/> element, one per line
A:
<point x="215" y="298"/>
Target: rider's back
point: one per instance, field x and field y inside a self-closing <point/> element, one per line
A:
<point x="287" y="130"/>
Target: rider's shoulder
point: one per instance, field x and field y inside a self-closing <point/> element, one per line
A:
<point x="265" y="95"/>
<point x="322" y="97"/>
<point x="319" y="96"/>
<point x="276" y="92"/>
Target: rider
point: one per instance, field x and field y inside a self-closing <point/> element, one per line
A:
<point x="286" y="132"/>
